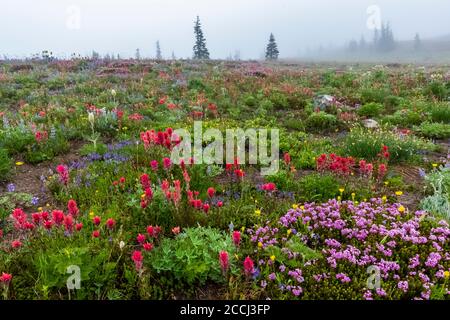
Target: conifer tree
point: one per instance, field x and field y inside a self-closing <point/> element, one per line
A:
<point x="272" y="49"/>
<point x="200" y="50"/>
<point x="417" y="42"/>
<point x="158" y="51"/>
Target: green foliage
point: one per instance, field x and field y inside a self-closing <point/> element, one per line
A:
<point x="371" y="110"/>
<point x="318" y="187"/>
<point x="440" y="113"/>
<point x="192" y="257"/>
<point x="6" y="165"/>
<point x="434" y="130"/>
<point x="321" y="121"/>
<point x="436" y="90"/>
<point x="438" y="203"/>
<point x="366" y="144"/>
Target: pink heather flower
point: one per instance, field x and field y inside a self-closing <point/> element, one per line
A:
<point x="224" y="261"/>
<point x="403" y="285"/>
<point x="248" y="266"/>
<point x="296" y="292"/>
<point x="236" y="238"/>
<point x="343" y="277"/>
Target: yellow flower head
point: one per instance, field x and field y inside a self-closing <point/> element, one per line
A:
<point x="353" y="194"/>
<point x="289" y="231"/>
<point x="40" y="209"/>
<point x="272" y="257"/>
<point x="434" y="165"/>
<point x="91" y="214"/>
<point x="446" y="274"/>
<point x="339" y="198"/>
<point x="384" y="198"/>
<point x="19" y="163"/>
<point x="258" y="212"/>
<point x="260" y="244"/>
<point x="295" y="206"/>
<point x="341" y="190"/>
<point x="398" y="193"/>
<point x="242" y="229"/>
<point x="302" y="207"/>
<point x="401" y="209"/>
<point x="386" y="183"/>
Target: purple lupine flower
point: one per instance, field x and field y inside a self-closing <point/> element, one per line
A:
<point x="11" y="187"/>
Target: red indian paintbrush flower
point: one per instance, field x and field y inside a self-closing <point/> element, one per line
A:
<point x="137" y="259"/>
<point x="224" y="261"/>
<point x="140" y="238"/>
<point x="5" y="278"/>
<point x="96" y="220"/>
<point x="236" y="238"/>
<point x="147" y="246"/>
<point x="287" y="158"/>
<point x="110" y="223"/>
<point x="211" y="191"/>
<point x="16" y="244"/>
<point x="73" y="208"/>
<point x="96" y="234"/>
<point x="63" y="174"/>
<point x="248" y="266"/>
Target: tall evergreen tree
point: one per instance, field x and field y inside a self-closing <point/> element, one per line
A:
<point x="200" y="50"/>
<point x="158" y="51"/>
<point x="137" y="55"/>
<point x="272" y="49"/>
<point x="417" y="43"/>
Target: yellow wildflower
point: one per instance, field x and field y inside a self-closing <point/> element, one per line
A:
<point x="341" y="190"/>
<point x="401" y="209"/>
<point x="19" y="163"/>
<point x="384" y="198"/>
<point x="289" y="231"/>
<point x="295" y="206"/>
<point x="260" y="244"/>
<point x="446" y="274"/>
<point x="272" y="257"/>
<point x="434" y="165"/>
<point x="398" y="193"/>
<point x="258" y="212"/>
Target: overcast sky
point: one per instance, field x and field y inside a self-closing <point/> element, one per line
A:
<point x="121" y="26"/>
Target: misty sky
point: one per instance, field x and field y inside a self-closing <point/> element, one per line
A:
<point x="121" y="26"/>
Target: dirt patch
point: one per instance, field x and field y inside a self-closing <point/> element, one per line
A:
<point x="30" y="178"/>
